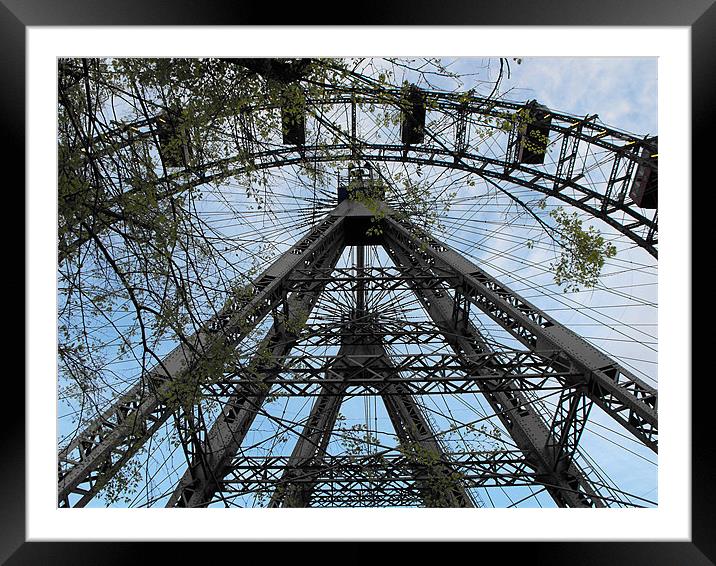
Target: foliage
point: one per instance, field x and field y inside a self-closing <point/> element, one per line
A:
<point x="356" y="440"/>
<point x="124" y="483"/>
<point x="441" y="484"/>
<point x="583" y="252"/>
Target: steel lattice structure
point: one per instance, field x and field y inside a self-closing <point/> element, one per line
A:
<point x="621" y="154"/>
<point x="333" y="330"/>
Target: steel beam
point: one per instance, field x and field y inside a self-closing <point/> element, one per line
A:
<point x="419" y="374"/>
<point x="635" y="225"/>
<point x="439" y="483"/>
<point x="294" y="488"/>
<point x="382" y="479"/>
<point x="200" y="482"/>
<point x="625" y="397"/>
<point x="99" y="451"/>
<point x="568" y="487"/>
<point x="567" y="426"/>
<point x="435" y="480"/>
<point x="446" y="284"/>
<point x="597" y="138"/>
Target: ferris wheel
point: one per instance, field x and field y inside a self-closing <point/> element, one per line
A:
<point x="344" y="291"/>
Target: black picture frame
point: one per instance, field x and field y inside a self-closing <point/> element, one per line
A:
<point x="698" y="15"/>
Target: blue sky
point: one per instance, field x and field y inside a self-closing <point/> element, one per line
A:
<point x="622" y="91"/>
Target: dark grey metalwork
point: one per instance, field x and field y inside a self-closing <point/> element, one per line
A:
<point x="624" y="155"/>
<point x="200" y="481"/>
<point x="340" y="477"/>
<point x="356" y="363"/>
<point x="88" y="462"/>
<point x="567" y="484"/>
<point x="630" y="220"/>
<point x="447" y="285"/>
<point x="625" y="397"/>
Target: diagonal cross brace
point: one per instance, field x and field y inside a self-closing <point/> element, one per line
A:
<point x="310" y="449"/>
<point x="107" y="443"/>
<point x="625" y="397"/>
<point x="568" y="486"/>
<point x="498" y="468"/>
<point x="356" y="362"/>
<point x="200" y="481"/>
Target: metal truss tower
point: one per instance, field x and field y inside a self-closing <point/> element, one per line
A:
<point x="447" y="288"/>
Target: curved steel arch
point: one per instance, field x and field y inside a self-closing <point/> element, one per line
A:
<point x="585" y="129"/>
<point x="624" y="154"/>
<point x="637" y="227"/>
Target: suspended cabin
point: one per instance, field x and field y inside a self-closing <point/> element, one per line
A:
<point x="174" y="141"/>
<point x="412" y="116"/>
<point x="644" y="188"/>
<point x="293" y="116"/>
<point x="533" y="133"/>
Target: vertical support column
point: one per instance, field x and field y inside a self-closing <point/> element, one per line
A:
<point x="354" y="133"/>
<point x="461" y="133"/>
<point x="360" y="282"/>
<point x="568" y="152"/>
